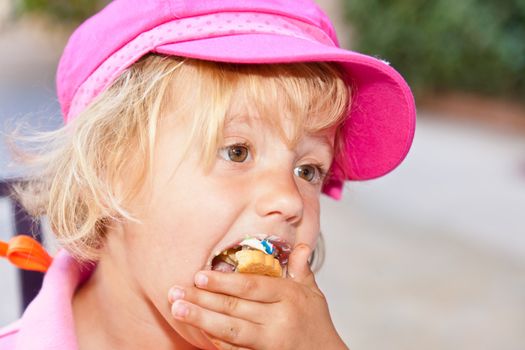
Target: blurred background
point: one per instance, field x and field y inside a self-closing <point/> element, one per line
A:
<point x="431" y="256"/>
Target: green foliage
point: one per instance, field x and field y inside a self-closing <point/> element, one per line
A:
<point x="469" y="45"/>
<point x="69" y="11"/>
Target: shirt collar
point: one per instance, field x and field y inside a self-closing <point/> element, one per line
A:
<point x="48" y="321"/>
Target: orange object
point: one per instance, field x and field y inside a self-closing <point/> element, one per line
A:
<point x="26" y="253"/>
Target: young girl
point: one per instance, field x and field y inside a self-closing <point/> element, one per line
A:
<point x="190" y="125"/>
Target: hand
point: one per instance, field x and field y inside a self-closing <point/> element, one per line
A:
<point x="244" y="311"/>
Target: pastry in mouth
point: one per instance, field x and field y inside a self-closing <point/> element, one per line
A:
<point x="263" y="257"/>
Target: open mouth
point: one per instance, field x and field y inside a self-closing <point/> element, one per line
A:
<point x="268" y="257"/>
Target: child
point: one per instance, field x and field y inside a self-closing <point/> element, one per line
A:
<point x="190" y="125"/>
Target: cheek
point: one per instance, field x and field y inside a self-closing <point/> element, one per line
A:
<point x="309" y="229"/>
<point x="180" y="230"/>
<point x="176" y="240"/>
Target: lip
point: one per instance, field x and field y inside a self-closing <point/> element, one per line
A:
<point x="282" y="244"/>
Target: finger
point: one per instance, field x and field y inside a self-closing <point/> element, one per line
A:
<point x="225" y="304"/>
<point x="298" y="267"/>
<point x="221" y="345"/>
<point x="222" y="327"/>
<point x="242" y="285"/>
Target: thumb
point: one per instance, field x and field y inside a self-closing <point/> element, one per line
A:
<point x="298" y="267"/>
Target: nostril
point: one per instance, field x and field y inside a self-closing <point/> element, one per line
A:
<point x="295" y="218"/>
<point x="291" y="218"/>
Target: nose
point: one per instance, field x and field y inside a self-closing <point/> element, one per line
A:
<point x="278" y="196"/>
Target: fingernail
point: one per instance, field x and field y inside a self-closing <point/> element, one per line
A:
<point x="201" y="280"/>
<point x="180" y="309"/>
<point x="302" y="246"/>
<point x="176" y="294"/>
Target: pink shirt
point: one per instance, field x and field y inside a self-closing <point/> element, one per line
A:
<point x="48" y="321"/>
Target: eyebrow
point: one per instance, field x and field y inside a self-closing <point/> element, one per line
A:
<point x="244" y="118"/>
<point x="323" y="140"/>
<point x="237" y="118"/>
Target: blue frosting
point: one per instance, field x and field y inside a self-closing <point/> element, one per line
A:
<point x="268" y="247"/>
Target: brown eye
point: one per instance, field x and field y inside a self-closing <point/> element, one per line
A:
<point x="238" y="153"/>
<point x="310" y="173"/>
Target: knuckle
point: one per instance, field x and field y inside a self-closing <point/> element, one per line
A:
<point x="248" y="285"/>
<point x="291" y="292"/>
<point x="230" y="333"/>
<point x="304" y="295"/>
<point x="230" y="303"/>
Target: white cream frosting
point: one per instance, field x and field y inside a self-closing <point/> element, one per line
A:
<point x="264" y="245"/>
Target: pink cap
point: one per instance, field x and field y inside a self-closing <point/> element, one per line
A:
<point x="381" y="123"/>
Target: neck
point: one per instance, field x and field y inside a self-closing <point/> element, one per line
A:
<point x="111" y="312"/>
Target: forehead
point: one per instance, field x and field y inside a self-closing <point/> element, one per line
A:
<point x="290" y="119"/>
<point x="294" y="100"/>
<point x="311" y="94"/>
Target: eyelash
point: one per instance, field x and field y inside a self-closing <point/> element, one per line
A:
<point x="226" y="148"/>
<point x="321" y="171"/>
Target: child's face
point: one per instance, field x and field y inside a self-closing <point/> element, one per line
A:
<point x="259" y="187"/>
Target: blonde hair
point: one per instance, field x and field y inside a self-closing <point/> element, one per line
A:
<point x="74" y="171"/>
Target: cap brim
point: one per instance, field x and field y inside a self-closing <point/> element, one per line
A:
<point x="381" y="126"/>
